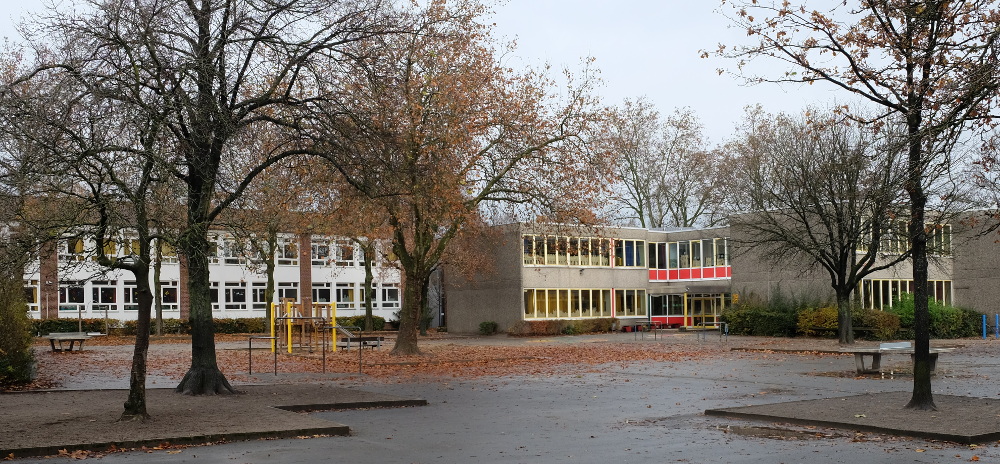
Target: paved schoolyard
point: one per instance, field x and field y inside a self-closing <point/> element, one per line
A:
<point x="628" y="412"/>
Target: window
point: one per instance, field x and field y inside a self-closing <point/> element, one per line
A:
<point x="233" y="251"/>
<point x="630" y="303"/>
<point x="71" y="296"/>
<point x="346" y="296"/>
<point x="721" y="252"/>
<point x="288" y="291"/>
<point x="169" y="295"/>
<point x="104" y="295"/>
<point x="695" y="253"/>
<point x="167" y="252"/>
<point x="708" y="253"/>
<point x="883" y="293"/>
<point x="71" y="249"/>
<point x="684" y="254"/>
<point x="258" y="292"/>
<point x="390" y="297"/>
<point x="215" y="295"/>
<point x="131" y="298"/>
<point x="567" y="303"/>
<point x="236" y="295"/>
<point x="288" y="253"/>
<point x="345" y="253"/>
<point x="630" y="253"/>
<point x="321" y="292"/>
<point x="939" y="239"/>
<point x="320" y="254"/>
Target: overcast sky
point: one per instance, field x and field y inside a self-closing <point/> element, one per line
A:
<point x="642" y="47"/>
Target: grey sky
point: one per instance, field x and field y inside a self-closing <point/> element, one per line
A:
<point x="642" y="47"/>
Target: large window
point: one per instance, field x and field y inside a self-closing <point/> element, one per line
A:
<point x="883" y="293"/>
<point x="566" y="303"/>
<point x="630" y="253"/>
<point x="538" y="250"/>
<point x="288" y="253"/>
<point x="630" y="303"/>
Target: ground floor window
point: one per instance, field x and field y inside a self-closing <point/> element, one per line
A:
<point x="881" y="293"/>
<point x="542" y="303"/>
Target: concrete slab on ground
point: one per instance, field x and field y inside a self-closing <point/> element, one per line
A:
<point x="885" y="413"/>
<point x="49" y="421"/>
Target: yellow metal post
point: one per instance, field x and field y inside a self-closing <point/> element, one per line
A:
<point x="288" y="317"/>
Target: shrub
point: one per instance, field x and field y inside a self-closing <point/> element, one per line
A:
<point x="751" y="319"/>
<point x="884" y="324"/>
<point x="824" y="318"/>
<point x="559" y="326"/>
<point x="16" y="358"/>
<point x="378" y="322"/>
<point x="945" y="321"/>
<point x="47" y="326"/>
<point x="488" y="327"/>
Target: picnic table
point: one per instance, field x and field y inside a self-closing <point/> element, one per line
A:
<point x="72" y="337"/>
<point x="885" y="348"/>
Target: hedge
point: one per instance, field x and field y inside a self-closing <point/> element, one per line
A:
<point x="561" y="326"/>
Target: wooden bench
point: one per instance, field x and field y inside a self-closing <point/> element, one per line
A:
<point x="370" y="342"/>
<point x="71" y="337"/>
<point x="884" y="348"/>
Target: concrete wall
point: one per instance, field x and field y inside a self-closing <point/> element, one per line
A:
<point x="492" y="294"/>
<point x="976" y="252"/>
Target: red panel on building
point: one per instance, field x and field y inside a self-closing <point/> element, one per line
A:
<point x="685" y="274"/>
<point x="674" y="275"/>
<point x="696" y="273"/>
<point x="708" y="273"/>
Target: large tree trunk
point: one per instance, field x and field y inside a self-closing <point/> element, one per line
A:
<point x="844" y="325"/>
<point x="135" y="406"/>
<point x="922" y="398"/>
<point x="204" y="376"/>
<point x="409" y="318"/>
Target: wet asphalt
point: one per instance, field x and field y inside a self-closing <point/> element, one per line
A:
<point x="637" y="412"/>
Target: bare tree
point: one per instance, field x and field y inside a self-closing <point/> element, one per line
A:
<point x="219" y="68"/>
<point x="821" y="191"/>
<point x="932" y="64"/>
<point x="667" y="174"/>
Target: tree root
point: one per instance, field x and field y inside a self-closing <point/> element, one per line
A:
<point x="205" y="381"/>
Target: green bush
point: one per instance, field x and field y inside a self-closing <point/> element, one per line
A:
<point x="16" y="358"/>
<point x="559" y="326"/>
<point x="378" y="322"/>
<point x="824" y="321"/>
<point x="751" y="319"/>
<point x="945" y="321"/>
<point x="47" y="326"/>
<point x="488" y="327"/>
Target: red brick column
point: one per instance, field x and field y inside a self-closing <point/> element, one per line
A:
<point x="48" y="284"/>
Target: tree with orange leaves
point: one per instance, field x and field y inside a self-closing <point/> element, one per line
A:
<point x="440" y="134"/>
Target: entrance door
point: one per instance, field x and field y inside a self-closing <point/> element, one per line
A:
<point x="704" y="311"/>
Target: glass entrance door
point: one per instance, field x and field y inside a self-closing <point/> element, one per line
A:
<point x="703" y="311"/>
